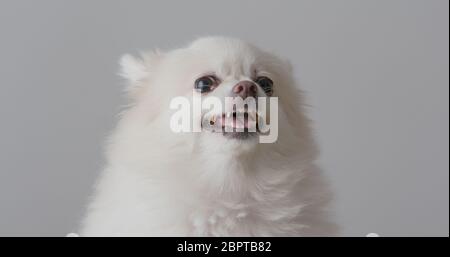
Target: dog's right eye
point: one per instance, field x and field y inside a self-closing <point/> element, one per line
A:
<point x="206" y="84"/>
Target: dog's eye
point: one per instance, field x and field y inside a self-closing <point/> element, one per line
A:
<point x="206" y="84"/>
<point x="266" y="84"/>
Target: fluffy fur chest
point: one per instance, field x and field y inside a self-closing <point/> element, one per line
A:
<point x="138" y="205"/>
<point x="207" y="195"/>
<point x="259" y="219"/>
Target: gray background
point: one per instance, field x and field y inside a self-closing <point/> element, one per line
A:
<point x="376" y="73"/>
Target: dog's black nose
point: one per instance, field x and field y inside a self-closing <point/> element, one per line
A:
<point x="245" y="89"/>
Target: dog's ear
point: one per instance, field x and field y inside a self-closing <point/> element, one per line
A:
<point x="133" y="69"/>
<point x="138" y="70"/>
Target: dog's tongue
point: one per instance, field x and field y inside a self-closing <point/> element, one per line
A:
<point x="240" y="122"/>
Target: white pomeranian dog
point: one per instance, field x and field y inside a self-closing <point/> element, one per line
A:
<point x="160" y="182"/>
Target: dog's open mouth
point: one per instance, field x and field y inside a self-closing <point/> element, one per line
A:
<point x="236" y="124"/>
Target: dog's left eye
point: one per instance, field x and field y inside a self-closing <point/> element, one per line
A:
<point x="206" y="84"/>
<point x="266" y="84"/>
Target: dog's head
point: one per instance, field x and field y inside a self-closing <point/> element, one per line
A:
<point x="223" y="70"/>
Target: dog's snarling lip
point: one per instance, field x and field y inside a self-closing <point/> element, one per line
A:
<point x="236" y="124"/>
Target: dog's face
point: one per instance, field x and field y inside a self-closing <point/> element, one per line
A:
<point x="213" y="68"/>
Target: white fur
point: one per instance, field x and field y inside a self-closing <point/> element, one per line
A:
<point x="158" y="183"/>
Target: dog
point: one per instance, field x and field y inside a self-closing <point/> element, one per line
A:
<point x="158" y="182"/>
